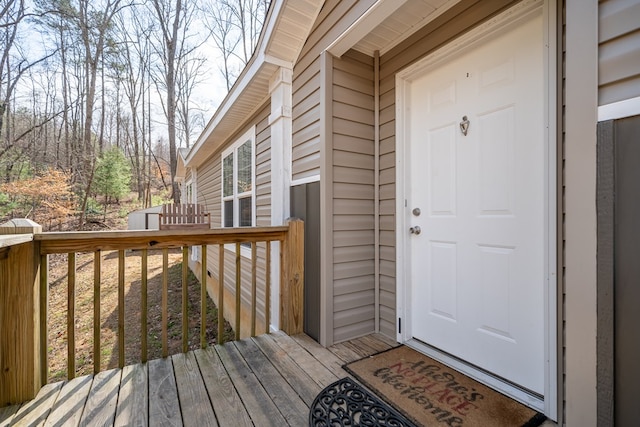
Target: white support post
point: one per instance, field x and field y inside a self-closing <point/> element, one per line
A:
<point x="280" y="123"/>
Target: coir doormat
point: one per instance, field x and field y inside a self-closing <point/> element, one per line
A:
<point x="433" y="394"/>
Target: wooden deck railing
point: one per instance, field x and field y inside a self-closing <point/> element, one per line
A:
<point x="183" y="216"/>
<point x="24" y="291"/>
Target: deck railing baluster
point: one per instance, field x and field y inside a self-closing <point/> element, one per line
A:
<point x="203" y="297"/>
<point x="254" y="263"/>
<point x="96" y="310"/>
<point x="165" y="302"/>
<point x="121" y="308"/>
<point x="220" y="293"/>
<point x="267" y="291"/>
<point x="71" y="308"/>
<point x="143" y="306"/>
<point x="238" y="289"/>
<point x="185" y="301"/>
<point x="44" y="318"/>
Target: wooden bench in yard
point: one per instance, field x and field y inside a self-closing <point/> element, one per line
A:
<point x="184" y="216"/>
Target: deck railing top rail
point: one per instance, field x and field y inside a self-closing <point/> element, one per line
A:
<point x="88" y="241"/>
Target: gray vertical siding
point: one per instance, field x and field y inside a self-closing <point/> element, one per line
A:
<point x="210" y="193"/>
<point x="353" y="196"/>
<point x="619" y="50"/>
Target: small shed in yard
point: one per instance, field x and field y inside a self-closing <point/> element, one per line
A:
<point x="144" y="219"/>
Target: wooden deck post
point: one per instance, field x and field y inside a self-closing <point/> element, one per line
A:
<point x="20" y="370"/>
<point x="292" y="281"/>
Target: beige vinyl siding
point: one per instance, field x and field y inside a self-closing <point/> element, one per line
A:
<point x="263" y="168"/>
<point x="335" y="17"/>
<point x="619" y="50"/>
<point x="353" y="197"/>
<point x="459" y="19"/>
<point x="209" y="194"/>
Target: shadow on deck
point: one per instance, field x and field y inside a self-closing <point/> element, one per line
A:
<point x="266" y="380"/>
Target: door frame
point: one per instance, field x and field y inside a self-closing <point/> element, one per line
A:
<point x="494" y="27"/>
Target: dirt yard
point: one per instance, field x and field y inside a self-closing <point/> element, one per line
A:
<point x="109" y="311"/>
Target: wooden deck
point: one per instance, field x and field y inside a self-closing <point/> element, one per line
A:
<point x="270" y="380"/>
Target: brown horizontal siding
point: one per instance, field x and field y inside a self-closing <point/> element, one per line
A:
<point x="263" y="169"/>
<point x="618" y="51"/>
<point x="209" y="191"/>
<point x="353" y="196"/>
<point x="334" y="18"/>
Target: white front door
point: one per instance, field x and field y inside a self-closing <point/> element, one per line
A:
<point x="477" y="268"/>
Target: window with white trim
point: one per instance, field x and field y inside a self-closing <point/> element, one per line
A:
<point x="238" y="182"/>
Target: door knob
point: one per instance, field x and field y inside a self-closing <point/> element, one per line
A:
<point x="415" y="230"/>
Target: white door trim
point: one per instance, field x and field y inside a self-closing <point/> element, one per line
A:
<point x="491" y="28"/>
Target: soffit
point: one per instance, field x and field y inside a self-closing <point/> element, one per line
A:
<point x="397" y="25"/>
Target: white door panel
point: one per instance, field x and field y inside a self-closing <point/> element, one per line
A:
<point x="477" y="269"/>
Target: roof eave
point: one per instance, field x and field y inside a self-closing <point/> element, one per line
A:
<point x="252" y="86"/>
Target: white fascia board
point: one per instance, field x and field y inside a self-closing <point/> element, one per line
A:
<point x="373" y="17"/>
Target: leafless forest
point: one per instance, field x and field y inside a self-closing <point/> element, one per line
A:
<point x="96" y="97"/>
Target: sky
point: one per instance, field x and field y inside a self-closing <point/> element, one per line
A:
<point x="210" y="93"/>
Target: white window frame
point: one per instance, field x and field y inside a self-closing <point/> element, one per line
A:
<point x="250" y="135"/>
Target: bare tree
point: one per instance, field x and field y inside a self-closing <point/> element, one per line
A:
<point x="190" y="75"/>
<point x="234" y="26"/>
<point x="178" y="41"/>
<point x="219" y="22"/>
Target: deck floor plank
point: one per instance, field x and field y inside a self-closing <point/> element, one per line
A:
<point x="345" y="352"/>
<point x="375" y="344"/>
<point x="269" y="380"/>
<point x="287" y="400"/>
<point x="384" y="340"/>
<point x="100" y="408"/>
<point x="318" y="372"/>
<point x="194" y="400"/>
<point x="226" y="402"/>
<point x="36" y="411"/>
<point x="133" y="402"/>
<point x="70" y="403"/>
<point x="261" y="409"/>
<point x="361" y="348"/>
<point x="298" y="379"/>
<point x="7" y="413"/>
<point x="164" y="409"/>
<point x="324" y="356"/>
